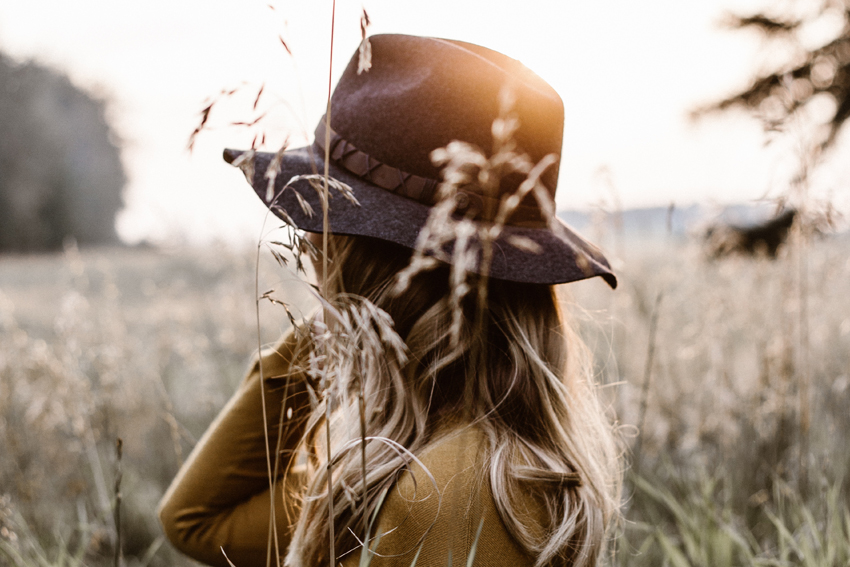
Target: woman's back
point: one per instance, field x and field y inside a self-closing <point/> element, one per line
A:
<point x="440" y="504"/>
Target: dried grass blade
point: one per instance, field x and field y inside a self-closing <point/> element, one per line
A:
<point x="364" y="60"/>
<point x="259" y="94"/>
<point x="524" y="243"/>
<point x="245" y="162"/>
<point x="305" y="206"/>
<point x="286" y="47"/>
<point x="273" y="170"/>
<point x="474" y="547"/>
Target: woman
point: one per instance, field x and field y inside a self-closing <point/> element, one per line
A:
<point x="483" y="433"/>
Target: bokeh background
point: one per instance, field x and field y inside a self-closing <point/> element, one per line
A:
<point x="127" y="262"/>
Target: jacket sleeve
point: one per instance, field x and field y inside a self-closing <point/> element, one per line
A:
<point x="221" y="497"/>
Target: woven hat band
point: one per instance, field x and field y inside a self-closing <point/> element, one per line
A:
<point x="421" y="189"/>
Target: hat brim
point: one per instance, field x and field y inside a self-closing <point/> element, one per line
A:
<point x="561" y="258"/>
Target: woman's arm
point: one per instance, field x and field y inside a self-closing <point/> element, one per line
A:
<point x="221" y="496"/>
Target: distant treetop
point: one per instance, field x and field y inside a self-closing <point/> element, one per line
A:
<point x="806" y="73"/>
<point x="61" y="173"/>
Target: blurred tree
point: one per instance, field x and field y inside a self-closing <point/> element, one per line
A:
<point x="60" y="166"/>
<point x="809" y="70"/>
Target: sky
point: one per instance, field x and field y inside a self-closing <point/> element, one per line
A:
<point x="629" y="74"/>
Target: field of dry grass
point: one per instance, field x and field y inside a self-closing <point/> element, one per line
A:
<point x="736" y="373"/>
<point x="741" y="405"/>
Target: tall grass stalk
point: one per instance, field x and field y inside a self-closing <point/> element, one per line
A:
<point x="119" y="476"/>
<point x="325" y="228"/>
<point x="647" y="375"/>
<point x="273" y="543"/>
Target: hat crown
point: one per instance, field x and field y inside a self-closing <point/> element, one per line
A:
<point x="422" y="93"/>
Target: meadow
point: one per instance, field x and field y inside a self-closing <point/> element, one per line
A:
<point x="729" y="380"/>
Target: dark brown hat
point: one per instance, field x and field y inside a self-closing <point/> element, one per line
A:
<point x="420" y="94"/>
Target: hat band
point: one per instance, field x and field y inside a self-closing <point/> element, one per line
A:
<point x="420" y="189"/>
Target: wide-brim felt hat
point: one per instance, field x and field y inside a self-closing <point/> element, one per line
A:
<point x="419" y="95"/>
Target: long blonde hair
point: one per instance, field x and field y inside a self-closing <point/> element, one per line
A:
<point x="525" y="381"/>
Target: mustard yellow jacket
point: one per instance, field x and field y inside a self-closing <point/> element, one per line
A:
<point x="220" y="497"/>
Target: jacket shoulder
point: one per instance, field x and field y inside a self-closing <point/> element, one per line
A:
<point x="287" y="357"/>
<point x="437" y="507"/>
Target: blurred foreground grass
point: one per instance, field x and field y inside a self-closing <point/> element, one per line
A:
<point x="743" y="410"/>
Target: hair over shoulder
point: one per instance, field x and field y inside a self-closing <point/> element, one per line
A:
<point x="519" y="372"/>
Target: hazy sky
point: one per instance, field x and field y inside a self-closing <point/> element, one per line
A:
<point x="628" y="73"/>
